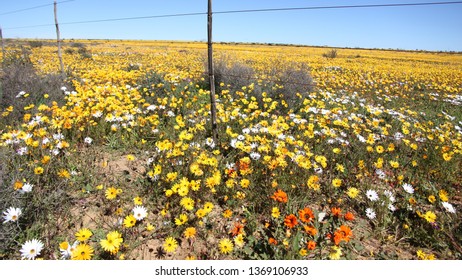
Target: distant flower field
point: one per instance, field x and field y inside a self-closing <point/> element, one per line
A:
<point x="356" y="155"/>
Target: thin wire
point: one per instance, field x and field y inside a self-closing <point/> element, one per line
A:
<point x="32" y="8"/>
<point x="111" y="19"/>
<point x="257" y="78"/>
<point x="248" y="11"/>
<point x="340" y="7"/>
<point x="133" y="18"/>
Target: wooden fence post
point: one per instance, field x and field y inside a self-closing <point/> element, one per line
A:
<point x="58" y="39"/>
<point x="213" y="105"/>
<point x="3" y="45"/>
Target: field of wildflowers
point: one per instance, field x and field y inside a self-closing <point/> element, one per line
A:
<point x="358" y="159"/>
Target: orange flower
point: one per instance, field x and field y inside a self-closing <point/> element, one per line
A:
<point x="311" y="245"/>
<point x="243" y="164"/>
<point x="231" y="172"/>
<point x="344" y="233"/>
<point x="306" y="215"/>
<point x="349" y="216"/>
<point x="310" y="230"/>
<point x="280" y="196"/>
<point x="290" y="221"/>
<point x="336" y="212"/>
<point x="237" y="229"/>
<point x="272" y="241"/>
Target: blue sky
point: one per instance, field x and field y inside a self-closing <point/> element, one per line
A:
<point x="417" y="27"/>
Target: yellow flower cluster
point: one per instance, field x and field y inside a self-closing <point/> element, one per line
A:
<point x="381" y="131"/>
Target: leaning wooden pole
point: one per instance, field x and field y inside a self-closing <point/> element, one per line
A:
<point x="3" y="45"/>
<point x="213" y="104"/>
<point x="60" y="56"/>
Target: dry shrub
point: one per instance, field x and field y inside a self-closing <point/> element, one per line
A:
<point x="289" y="83"/>
<point x="232" y="74"/>
<point x="330" y="54"/>
<point x="19" y="75"/>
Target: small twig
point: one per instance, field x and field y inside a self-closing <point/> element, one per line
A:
<point x="454" y="242"/>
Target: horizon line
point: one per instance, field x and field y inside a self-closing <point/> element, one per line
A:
<point x="248" y="43"/>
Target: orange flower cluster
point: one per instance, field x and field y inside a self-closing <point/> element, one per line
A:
<point x="280" y="196"/>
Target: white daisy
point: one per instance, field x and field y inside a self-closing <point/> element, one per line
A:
<point x="12" y="214"/>
<point x="408" y="188"/>
<point x="140" y="212"/>
<point x="390" y="195"/>
<point x="318" y="170"/>
<point x="398" y="136"/>
<point x="151" y="107"/>
<point x="31" y="249"/>
<point x="380" y="173"/>
<point x="209" y="142"/>
<point x="391" y="207"/>
<point x="21" y="93"/>
<point x="233" y="142"/>
<point x="26" y="188"/>
<point x="88" y="140"/>
<point x="66" y="251"/>
<point x="58" y="136"/>
<point x="21" y="151"/>
<point x="361" y="138"/>
<point x="448" y="206"/>
<point x="370" y="213"/>
<point x="255" y="156"/>
<point x="372" y="195"/>
<point x="321" y="216"/>
<point x="98" y="114"/>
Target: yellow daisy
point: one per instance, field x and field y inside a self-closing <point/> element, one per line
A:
<point x="83" y="234"/>
<point x="226" y="246"/>
<point x="170" y="244"/>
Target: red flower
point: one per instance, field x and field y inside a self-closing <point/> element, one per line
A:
<point x="290" y="221"/>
